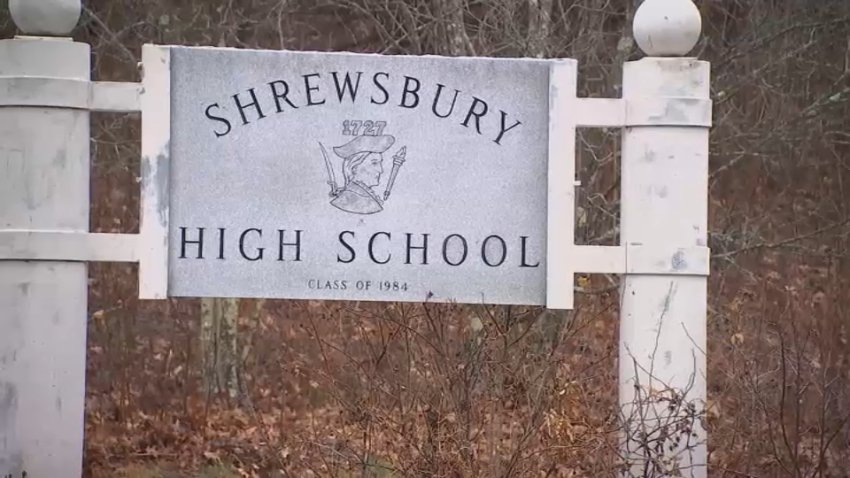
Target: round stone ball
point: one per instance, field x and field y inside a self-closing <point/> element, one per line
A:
<point x="45" y="17"/>
<point x="667" y="27"/>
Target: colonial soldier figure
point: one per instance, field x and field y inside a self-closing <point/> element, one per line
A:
<point x="362" y="167"/>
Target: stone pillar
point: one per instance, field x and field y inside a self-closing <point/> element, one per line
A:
<point x="44" y="186"/>
<point x="664" y="206"/>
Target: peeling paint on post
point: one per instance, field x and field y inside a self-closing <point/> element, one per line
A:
<point x="155" y="169"/>
<point x="11" y="460"/>
<point x="43" y="304"/>
<point x="663" y="316"/>
<point x="44" y="186"/>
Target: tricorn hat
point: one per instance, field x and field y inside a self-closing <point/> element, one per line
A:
<point x="372" y="144"/>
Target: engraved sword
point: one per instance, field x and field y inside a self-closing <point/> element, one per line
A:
<point x="331" y="177"/>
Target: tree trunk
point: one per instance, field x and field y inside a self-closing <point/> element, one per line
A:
<point x="219" y="346"/>
<point x="457" y="42"/>
<point x="539" y="26"/>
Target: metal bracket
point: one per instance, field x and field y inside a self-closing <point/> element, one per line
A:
<point x="70" y="93"/>
<point x="619" y="112"/>
<point x="21" y="245"/>
<point x="637" y="259"/>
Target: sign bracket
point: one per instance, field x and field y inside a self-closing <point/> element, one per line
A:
<point x="69" y="93"/>
<point x="643" y="111"/>
<point x="637" y="259"/>
<point x="31" y="245"/>
<point x="156" y="172"/>
<point x="26" y="245"/>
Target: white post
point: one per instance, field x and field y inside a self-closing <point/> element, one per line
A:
<point x="44" y="186"/>
<point x="664" y="208"/>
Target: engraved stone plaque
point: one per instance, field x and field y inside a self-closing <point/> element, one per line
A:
<point x="358" y="177"/>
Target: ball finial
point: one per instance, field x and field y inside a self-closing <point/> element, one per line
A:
<point x="45" y="17"/>
<point x="667" y="27"/>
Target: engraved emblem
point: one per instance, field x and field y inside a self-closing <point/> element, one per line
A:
<point x="362" y="166"/>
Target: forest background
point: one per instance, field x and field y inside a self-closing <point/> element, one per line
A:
<point x="221" y="388"/>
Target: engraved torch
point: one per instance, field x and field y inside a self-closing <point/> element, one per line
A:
<point x="398" y="160"/>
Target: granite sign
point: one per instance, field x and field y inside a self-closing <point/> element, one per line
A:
<point x="358" y="177"/>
